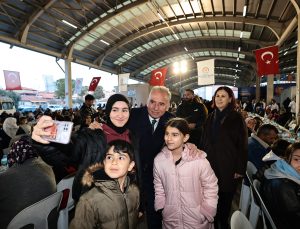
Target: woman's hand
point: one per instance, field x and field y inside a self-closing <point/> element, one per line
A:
<point x="39" y="129"/>
<point x="95" y="125"/>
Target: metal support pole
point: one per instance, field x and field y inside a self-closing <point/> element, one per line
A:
<point x="68" y="83"/>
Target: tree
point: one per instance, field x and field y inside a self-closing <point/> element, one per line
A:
<point x="16" y="97"/>
<point x="60" y="88"/>
<point x="98" y="94"/>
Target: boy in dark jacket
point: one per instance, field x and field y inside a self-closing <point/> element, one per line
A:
<point x="113" y="201"/>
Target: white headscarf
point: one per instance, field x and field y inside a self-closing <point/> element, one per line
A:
<point x="10" y="127"/>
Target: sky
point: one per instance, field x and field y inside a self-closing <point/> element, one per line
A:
<point x="33" y="65"/>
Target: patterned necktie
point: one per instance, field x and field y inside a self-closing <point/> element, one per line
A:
<point x="153" y="122"/>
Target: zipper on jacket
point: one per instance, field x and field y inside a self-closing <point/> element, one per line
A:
<point x="178" y="186"/>
<point x="126" y="208"/>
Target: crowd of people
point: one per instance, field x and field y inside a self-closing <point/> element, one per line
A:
<point x="162" y="164"/>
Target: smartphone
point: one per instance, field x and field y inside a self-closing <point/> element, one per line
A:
<point x="60" y="132"/>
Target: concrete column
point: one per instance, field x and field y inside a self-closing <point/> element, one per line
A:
<point x="270" y="88"/>
<point x="257" y="89"/>
<point x="297" y="8"/>
<point x="68" y="83"/>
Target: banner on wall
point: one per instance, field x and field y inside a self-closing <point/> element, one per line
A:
<point x="206" y="72"/>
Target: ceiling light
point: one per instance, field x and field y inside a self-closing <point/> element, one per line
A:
<point x="69" y="24"/>
<point x="175" y="35"/>
<point x="161" y="18"/>
<point x="241" y="35"/>
<point x="105" y="42"/>
<point x="296" y="42"/>
<point x="186" y="49"/>
<point x="292" y="72"/>
<point x="237" y="59"/>
<point x="128" y="54"/>
<point x="176" y="67"/>
<point x="239" y="49"/>
<point x="244" y="10"/>
<point x="237" y="65"/>
<point x="286" y="52"/>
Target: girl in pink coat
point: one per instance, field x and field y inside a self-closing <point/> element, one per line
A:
<point x="185" y="187"/>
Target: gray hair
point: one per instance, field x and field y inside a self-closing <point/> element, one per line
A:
<point x="162" y="89"/>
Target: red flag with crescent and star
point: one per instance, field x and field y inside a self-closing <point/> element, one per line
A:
<point x="12" y="80"/>
<point x="158" y="77"/>
<point x="94" y="83"/>
<point x="267" y="60"/>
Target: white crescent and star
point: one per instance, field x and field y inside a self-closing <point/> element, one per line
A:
<point x="94" y="81"/>
<point x="268" y="60"/>
<point x="157" y="73"/>
<point x="12" y="77"/>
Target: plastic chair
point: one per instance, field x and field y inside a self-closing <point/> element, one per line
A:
<point x="63" y="219"/>
<point x="256" y="186"/>
<point x="245" y="198"/>
<point x="239" y="221"/>
<point x="251" y="170"/>
<point x="255" y="210"/>
<point x="37" y="214"/>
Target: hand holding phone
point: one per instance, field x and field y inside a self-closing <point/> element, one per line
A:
<point x="59" y="132"/>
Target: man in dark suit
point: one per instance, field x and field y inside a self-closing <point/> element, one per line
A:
<point x="148" y="125"/>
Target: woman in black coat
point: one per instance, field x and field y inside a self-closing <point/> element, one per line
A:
<point x="225" y="142"/>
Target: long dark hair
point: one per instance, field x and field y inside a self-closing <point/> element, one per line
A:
<point x="290" y="150"/>
<point x="231" y="105"/>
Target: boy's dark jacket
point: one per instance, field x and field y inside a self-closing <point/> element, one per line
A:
<point x="105" y="205"/>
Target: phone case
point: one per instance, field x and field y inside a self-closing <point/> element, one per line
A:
<point x="60" y="132"/>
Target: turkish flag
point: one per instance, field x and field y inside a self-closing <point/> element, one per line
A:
<point x="94" y="83"/>
<point x="267" y="60"/>
<point x="12" y="80"/>
<point x="158" y="77"/>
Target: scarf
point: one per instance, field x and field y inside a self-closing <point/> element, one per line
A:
<point x="112" y="135"/>
<point x="282" y="169"/>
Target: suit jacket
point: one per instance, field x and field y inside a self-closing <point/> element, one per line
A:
<point x="228" y="154"/>
<point x="149" y="144"/>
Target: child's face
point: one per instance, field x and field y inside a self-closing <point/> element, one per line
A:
<point x="174" y="139"/>
<point x="117" y="165"/>
<point x="295" y="160"/>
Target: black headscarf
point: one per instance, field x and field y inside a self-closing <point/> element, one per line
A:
<point x="110" y="102"/>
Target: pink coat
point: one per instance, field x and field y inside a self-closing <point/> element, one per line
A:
<point x="188" y="192"/>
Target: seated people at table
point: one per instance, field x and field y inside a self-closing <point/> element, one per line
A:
<point x="250" y="123"/>
<point x="27" y="180"/>
<point x="281" y="187"/>
<point x="259" y="145"/>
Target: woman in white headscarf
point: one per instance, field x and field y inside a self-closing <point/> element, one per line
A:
<point x="9" y="131"/>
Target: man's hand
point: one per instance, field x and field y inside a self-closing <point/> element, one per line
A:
<point x="39" y="129"/>
<point x="193" y="149"/>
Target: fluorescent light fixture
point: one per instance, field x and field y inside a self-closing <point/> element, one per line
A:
<point x="235" y="70"/>
<point x="175" y="35"/>
<point x="105" y="42"/>
<point x="244" y="10"/>
<point x="286" y="52"/>
<point x="128" y="54"/>
<point x="69" y="24"/>
<point x="296" y="42"/>
<point x="161" y="18"/>
<point x="237" y="65"/>
<point x="241" y="35"/>
<point x="239" y="49"/>
<point x="186" y="49"/>
<point x="237" y="59"/>
<point x="176" y="67"/>
<point x="193" y="58"/>
<point x="292" y="72"/>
